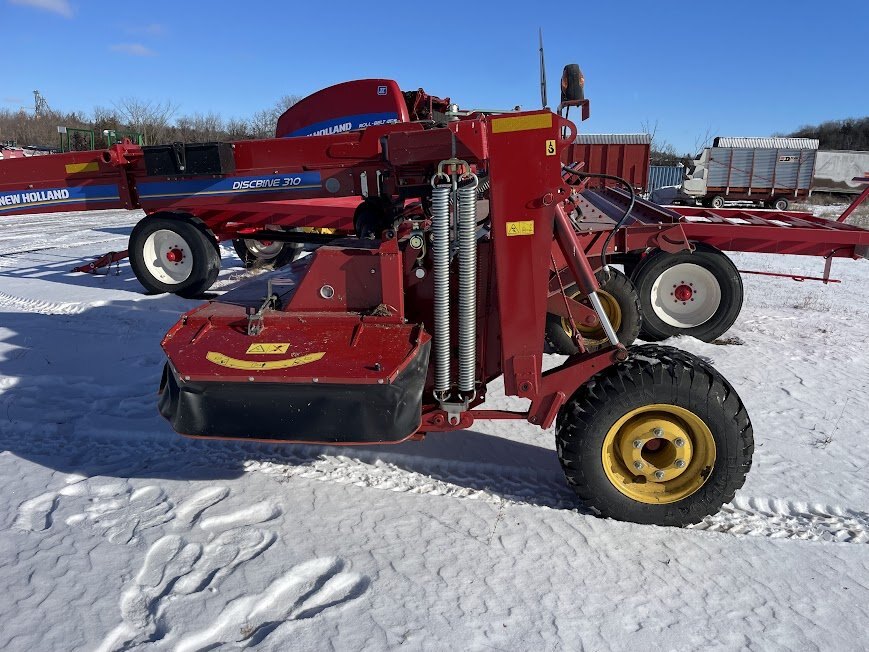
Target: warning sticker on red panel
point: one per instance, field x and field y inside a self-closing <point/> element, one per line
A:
<point x="525" y="227"/>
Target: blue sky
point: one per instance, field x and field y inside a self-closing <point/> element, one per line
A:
<point x="692" y="68"/>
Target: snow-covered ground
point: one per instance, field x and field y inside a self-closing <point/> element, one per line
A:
<point x="115" y="533"/>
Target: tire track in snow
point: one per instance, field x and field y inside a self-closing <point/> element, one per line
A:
<point x="492" y="483"/>
<point x="775" y="519"/>
<point x="784" y="519"/>
<point x="42" y="307"/>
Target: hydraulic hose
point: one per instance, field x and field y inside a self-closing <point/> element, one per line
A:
<point x="624" y="218"/>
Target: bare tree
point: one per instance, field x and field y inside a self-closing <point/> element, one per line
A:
<point x="156" y="121"/>
<point x="150" y="118"/>
<point x="703" y="141"/>
<point x="264" y="122"/>
<point x="662" y="152"/>
<point x="238" y="129"/>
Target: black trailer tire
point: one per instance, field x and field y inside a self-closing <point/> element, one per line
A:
<point x="717" y="202"/>
<point x="174" y="254"/>
<point x="688" y="293"/>
<point x="258" y="253"/>
<point x="661" y="439"/>
<point x="630" y="263"/>
<point x="621" y="304"/>
<point x="781" y="203"/>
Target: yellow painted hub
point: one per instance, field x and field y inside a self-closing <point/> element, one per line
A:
<point x="595" y="334"/>
<point x="658" y="453"/>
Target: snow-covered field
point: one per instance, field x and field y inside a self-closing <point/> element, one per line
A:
<point x="118" y="534"/>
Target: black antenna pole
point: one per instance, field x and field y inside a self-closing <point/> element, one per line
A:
<point x="542" y="72"/>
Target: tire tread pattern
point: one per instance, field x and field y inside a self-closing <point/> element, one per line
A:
<point x="652" y="374"/>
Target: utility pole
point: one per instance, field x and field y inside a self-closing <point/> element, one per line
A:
<point x="40" y="105"/>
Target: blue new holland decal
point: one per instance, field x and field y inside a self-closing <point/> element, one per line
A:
<point x="14" y="200"/>
<point x="345" y="123"/>
<point x="231" y="186"/>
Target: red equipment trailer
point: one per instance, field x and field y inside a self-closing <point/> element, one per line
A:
<point x="681" y="281"/>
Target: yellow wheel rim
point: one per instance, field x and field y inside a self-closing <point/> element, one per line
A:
<point x="658" y="454"/>
<point x="595" y="334"/>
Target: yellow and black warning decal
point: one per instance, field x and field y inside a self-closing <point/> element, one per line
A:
<point x="268" y="348"/>
<point x="524" y="227"/>
<point x="522" y="123"/>
<point x="262" y="365"/>
<point x="550" y="148"/>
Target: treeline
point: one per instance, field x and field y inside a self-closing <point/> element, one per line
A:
<point x="158" y="122"/>
<point x="852" y="133"/>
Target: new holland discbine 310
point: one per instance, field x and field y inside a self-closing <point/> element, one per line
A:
<point x="471" y="230"/>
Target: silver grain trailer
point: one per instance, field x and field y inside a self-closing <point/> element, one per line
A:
<point x="772" y="172"/>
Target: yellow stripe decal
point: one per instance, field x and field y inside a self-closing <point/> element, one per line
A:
<point x="522" y="123"/>
<point x="261" y="365"/>
<point x="76" y="168"/>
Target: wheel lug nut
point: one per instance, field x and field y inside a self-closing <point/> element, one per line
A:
<point x="679" y="442"/>
<point x="657" y="432"/>
<point x="638" y="465"/>
<point x="659" y="475"/>
<point x="638" y="443"/>
<point x="679" y="464"/>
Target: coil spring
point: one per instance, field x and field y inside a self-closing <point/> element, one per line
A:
<point x="440" y="250"/>
<point x="467" y="227"/>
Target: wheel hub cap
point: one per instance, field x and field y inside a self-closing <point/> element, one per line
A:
<point x="686" y="295"/>
<point x="168" y="257"/>
<point x="683" y="292"/>
<point x="657" y="449"/>
<point x="658" y="454"/>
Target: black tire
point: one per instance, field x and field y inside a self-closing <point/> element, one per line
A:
<point x="614" y="286"/>
<point x="630" y="263"/>
<point x="781" y="203"/>
<point x="252" y="256"/>
<point x="655" y="377"/>
<point x="707" y="322"/>
<point x="717" y="202"/>
<point x="194" y="242"/>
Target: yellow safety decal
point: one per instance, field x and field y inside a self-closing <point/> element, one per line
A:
<point x="264" y="365"/>
<point x="520" y="228"/>
<point x="268" y="348"/>
<point x="550" y="148"/>
<point x="76" y="168"/>
<point x="522" y="123"/>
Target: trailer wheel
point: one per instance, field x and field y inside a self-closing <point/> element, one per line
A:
<point x="661" y="438"/>
<point x="717" y="202"/>
<point x="174" y="254"/>
<point x="267" y="253"/>
<point x="621" y="305"/>
<point x="697" y="294"/>
<point x="781" y="203"/>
